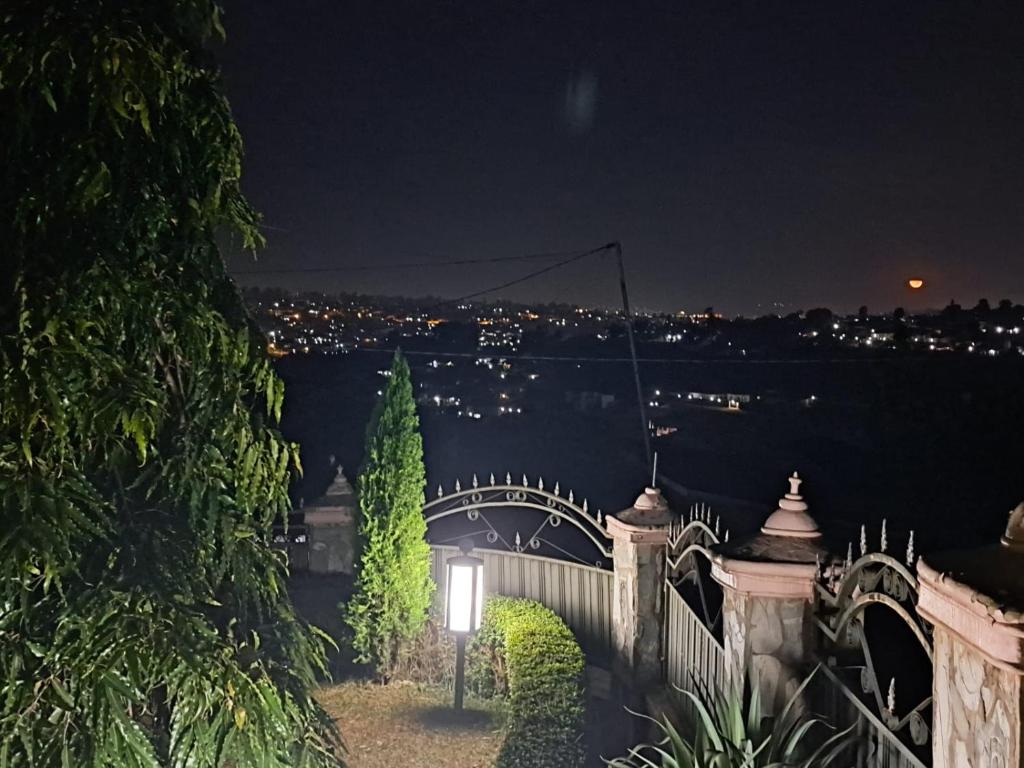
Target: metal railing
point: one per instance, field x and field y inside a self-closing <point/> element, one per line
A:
<point x="694" y="659"/>
<point x="580" y="594"/>
<point x="875" y="745"/>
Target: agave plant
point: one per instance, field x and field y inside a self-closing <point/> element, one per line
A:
<point x="726" y="736"/>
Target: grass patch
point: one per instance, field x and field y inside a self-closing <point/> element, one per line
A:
<point x="413" y="726"/>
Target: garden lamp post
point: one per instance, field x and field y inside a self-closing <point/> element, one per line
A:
<point x="463" y="608"/>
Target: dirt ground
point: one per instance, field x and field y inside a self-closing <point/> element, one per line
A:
<point x="412" y="726"/>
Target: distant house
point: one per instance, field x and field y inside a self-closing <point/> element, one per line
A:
<point x="718" y="398"/>
<point x="588" y="400"/>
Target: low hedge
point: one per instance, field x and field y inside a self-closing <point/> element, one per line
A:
<point x="531" y="656"/>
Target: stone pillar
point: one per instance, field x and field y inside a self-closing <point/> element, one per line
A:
<point x="331" y="528"/>
<point x="975" y="600"/>
<point x="639" y="534"/>
<point x="768" y="603"/>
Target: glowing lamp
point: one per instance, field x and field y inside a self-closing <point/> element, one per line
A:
<point x="463" y="608"/>
<point x="464" y="603"/>
<point x="915" y="283"/>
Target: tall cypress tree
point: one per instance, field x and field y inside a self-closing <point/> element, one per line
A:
<point x="393" y="586"/>
<point x="143" y="614"/>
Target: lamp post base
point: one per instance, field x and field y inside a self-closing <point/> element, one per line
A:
<point x="460" y="670"/>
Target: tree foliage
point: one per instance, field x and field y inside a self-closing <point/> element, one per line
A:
<point x="143" y="613"/>
<point x="393" y="586"/>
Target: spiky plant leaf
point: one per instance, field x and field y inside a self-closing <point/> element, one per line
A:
<point x="732" y="731"/>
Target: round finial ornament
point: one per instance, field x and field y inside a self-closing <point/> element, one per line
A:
<point x="792" y="518"/>
<point x="650" y="500"/>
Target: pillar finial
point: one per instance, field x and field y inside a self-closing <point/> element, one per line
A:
<point x="794" y="485"/>
<point x="792" y="518"/>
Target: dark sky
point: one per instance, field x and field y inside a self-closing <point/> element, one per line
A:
<point x="744" y="153"/>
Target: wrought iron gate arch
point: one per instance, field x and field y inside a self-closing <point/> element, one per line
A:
<point x="845" y="590"/>
<point x="889" y="566"/>
<point x="477" y="498"/>
<point x="687" y="541"/>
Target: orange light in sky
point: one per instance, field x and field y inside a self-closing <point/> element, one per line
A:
<point x="915" y="283"/>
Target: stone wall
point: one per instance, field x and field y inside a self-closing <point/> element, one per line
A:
<point x="771" y="638"/>
<point x="977" y="708"/>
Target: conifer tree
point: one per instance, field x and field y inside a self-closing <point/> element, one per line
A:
<point x="144" y="621"/>
<point x="393" y="586"/>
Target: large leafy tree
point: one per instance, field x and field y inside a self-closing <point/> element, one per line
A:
<point x="393" y="585"/>
<point x="143" y="616"/>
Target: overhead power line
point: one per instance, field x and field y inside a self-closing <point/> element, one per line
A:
<point x="529" y="276"/>
<point x="653" y="360"/>
<point x="406" y="264"/>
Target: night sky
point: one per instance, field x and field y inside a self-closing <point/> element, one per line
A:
<point x="745" y="153"/>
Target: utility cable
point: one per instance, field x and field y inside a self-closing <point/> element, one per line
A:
<point x="479" y="354"/>
<point x="526" y="277"/>
<point x="405" y="265"/>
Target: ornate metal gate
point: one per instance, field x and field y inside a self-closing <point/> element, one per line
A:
<point x="694" y="658"/>
<point x="874" y="645"/>
<point x="535" y="533"/>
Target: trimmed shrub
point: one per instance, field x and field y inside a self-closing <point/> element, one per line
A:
<point x="526" y="652"/>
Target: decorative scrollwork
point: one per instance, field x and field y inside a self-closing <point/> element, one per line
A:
<point x="867" y="685"/>
<point x="477" y="500"/>
<point x="894" y="585"/>
<point x="853" y="632"/>
<point x="920" y="731"/>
